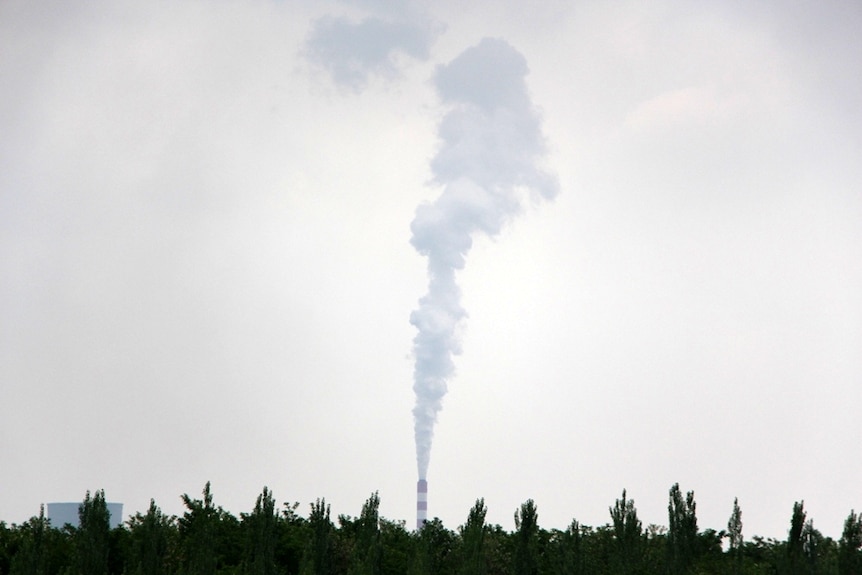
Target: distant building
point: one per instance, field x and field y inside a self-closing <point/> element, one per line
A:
<point x="61" y="513"/>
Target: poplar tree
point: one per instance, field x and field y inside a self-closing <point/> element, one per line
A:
<point x="367" y="550"/>
<point x="92" y="539"/>
<point x="31" y="555"/>
<point x="526" y="534"/>
<point x="570" y="554"/>
<point x="260" y="534"/>
<point x="317" y="558"/>
<point x="795" y="562"/>
<point x="473" y="541"/>
<point x="734" y="534"/>
<point x="433" y="549"/>
<point x="682" y="531"/>
<point x="627" y="535"/>
<point x="850" y="546"/>
<point x="198" y="529"/>
<point x="150" y="536"/>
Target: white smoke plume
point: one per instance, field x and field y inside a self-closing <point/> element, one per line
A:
<point x="491" y="147"/>
<point x="354" y="50"/>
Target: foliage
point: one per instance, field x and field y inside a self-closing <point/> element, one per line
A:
<point x="433" y="546"/>
<point x="152" y="539"/>
<point x="627" y="535"/>
<point x="208" y="536"/>
<point x="795" y="563"/>
<point x="850" y="546"/>
<point x="526" y="539"/>
<point x="92" y="539"/>
<point x="208" y="540"/>
<point x="734" y="535"/>
<point x="682" y="531"/>
<point x="472" y="560"/>
<point x="366" y="550"/>
<point x="260" y="526"/>
<point x="319" y="551"/>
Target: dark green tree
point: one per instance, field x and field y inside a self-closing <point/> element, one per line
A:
<point x="850" y="546"/>
<point x="30" y="556"/>
<point x="682" y="531"/>
<point x="472" y="556"/>
<point x="260" y="527"/>
<point x="815" y="550"/>
<point x="599" y="547"/>
<point x="367" y="552"/>
<point x="320" y="548"/>
<point x="655" y="549"/>
<point x="291" y="539"/>
<point x="209" y="537"/>
<point x="92" y="538"/>
<point x="795" y="556"/>
<point x="499" y="556"/>
<point x="37" y="548"/>
<point x="150" y="539"/>
<point x="8" y="545"/>
<point x="735" y="539"/>
<point x="710" y="555"/>
<point x="565" y="552"/>
<point x="433" y="549"/>
<point x="627" y="534"/>
<point x="397" y="546"/>
<point x="526" y="560"/>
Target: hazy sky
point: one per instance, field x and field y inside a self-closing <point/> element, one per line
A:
<point x="206" y="268"/>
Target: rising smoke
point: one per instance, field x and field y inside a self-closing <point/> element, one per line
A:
<point x="354" y="51"/>
<point x="491" y="148"/>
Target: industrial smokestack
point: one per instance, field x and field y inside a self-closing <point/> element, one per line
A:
<point x="421" y="503"/>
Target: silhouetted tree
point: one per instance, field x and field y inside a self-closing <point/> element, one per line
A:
<point x="627" y="534"/>
<point x="795" y="563"/>
<point x="472" y="560"/>
<point x="319" y="551"/>
<point x="526" y="539"/>
<point x="30" y="557"/>
<point x="498" y="551"/>
<point x="396" y="545"/>
<point x="734" y="535"/>
<point x="260" y="536"/>
<point x="92" y="538"/>
<point x="850" y="546"/>
<point x="367" y="551"/>
<point x="8" y="545"/>
<point x="209" y="536"/>
<point x="816" y="550"/>
<point x="655" y="549"/>
<point x="682" y="531"/>
<point x="150" y="538"/>
<point x="292" y="537"/>
<point x="565" y="551"/>
<point x="433" y="549"/>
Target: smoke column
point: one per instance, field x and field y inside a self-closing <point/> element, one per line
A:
<point x="491" y="143"/>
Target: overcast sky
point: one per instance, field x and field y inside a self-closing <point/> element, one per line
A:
<point x="206" y="267"/>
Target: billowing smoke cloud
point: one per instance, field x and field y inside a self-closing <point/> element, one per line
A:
<point x="491" y="148"/>
<point x="354" y="50"/>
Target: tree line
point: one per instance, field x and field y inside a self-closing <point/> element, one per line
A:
<point x="276" y="540"/>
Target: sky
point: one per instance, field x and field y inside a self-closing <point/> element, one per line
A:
<point x="219" y="222"/>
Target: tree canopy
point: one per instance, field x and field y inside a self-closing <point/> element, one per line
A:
<point x="276" y="540"/>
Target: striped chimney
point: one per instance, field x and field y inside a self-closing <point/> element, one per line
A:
<point x="421" y="503"/>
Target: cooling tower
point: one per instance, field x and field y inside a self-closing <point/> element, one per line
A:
<point x="421" y="503"/>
